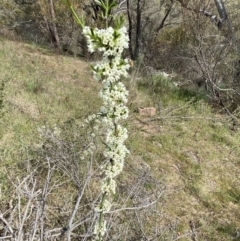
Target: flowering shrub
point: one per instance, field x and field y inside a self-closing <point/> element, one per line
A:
<point x="111" y="42"/>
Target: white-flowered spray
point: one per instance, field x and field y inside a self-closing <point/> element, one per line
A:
<point x="111" y="42"/>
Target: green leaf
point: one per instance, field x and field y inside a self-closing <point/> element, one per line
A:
<point x="119" y="21"/>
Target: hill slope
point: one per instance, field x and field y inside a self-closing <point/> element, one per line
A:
<point x="184" y="162"/>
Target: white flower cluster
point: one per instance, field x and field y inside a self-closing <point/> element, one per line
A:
<point x="114" y="99"/>
<point x="111" y="42"/>
<point x="104" y="207"/>
<point x="114" y="95"/>
<point x="116" y="151"/>
<point x="108" y="185"/>
<point x="111" y="70"/>
<point x="100" y="228"/>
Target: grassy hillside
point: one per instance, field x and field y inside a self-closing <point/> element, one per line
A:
<point x="184" y="164"/>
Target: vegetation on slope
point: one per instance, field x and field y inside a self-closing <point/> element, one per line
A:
<point x="182" y="173"/>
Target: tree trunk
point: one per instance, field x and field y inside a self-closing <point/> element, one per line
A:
<point x="53" y="27"/>
<point x="138" y="31"/>
<point x="164" y="19"/>
<point x="130" y="28"/>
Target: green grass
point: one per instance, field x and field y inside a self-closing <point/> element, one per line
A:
<point x="188" y="147"/>
<point x="194" y="145"/>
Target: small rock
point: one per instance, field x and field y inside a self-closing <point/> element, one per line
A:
<point x="148" y="111"/>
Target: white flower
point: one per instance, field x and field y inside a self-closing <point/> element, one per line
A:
<point x="86" y="30"/>
<point x="116" y="137"/>
<point x="108" y="185"/>
<point x="100" y="228"/>
<point x="105" y="206"/>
